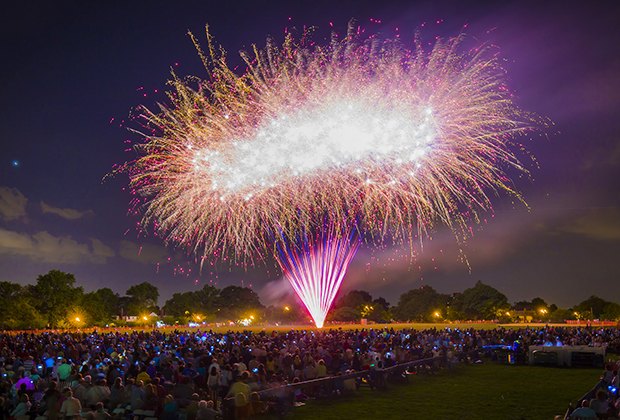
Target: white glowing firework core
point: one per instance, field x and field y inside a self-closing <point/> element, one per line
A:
<point x="334" y="135"/>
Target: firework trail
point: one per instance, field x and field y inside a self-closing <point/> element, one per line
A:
<point x="358" y="132"/>
<point x="315" y="267"/>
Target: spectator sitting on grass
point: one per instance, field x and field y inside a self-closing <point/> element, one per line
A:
<point x="137" y="396"/>
<point x="51" y="401"/>
<point x="63" y="370"/>
<point x="583" y="412"/>
<point x="81" y="389"/>
<point x="171" y="409"/>
<point x="99" y="413"/>
<point x="300" y="396"/>
<point x="150" y="397"/>
<point x="600" y="405"/>
<point x="71" y="406"/>
<point x="192" y="408"/>
<point x="206" y="411"/>
<point x="258" y="407"/>
<point x="143" y="376"/>
<point x="117" y="393"/>
<point x="183" y="391"/>
<point x="23" y="407"/>
<point x="608" y="375"/>
<point x="616" y="406"/>
<point x="321" y="369"/>
<point x="99" y="392"/>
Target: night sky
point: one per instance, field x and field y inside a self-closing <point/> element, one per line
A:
<point x="72" y="72"/>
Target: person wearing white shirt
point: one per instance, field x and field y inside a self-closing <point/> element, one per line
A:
<point x="71" y="406"/>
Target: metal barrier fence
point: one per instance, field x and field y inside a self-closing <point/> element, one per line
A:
<point x="380" y="375"/>
<point x="282" y="397"/>
<point x="587" y="396"/>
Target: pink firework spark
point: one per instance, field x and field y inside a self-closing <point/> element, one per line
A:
<point x="316" y="267"/>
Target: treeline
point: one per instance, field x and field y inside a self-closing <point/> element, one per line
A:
<point x="485" y="302"/>
<point x="55" y="301"/>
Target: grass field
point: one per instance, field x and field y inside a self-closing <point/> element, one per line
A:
<point x="486" y="391"/>
<point x="396" y="326"/>
<point x="351" y="326"/>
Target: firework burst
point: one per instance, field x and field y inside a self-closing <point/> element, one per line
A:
<point x="357" y="132"/>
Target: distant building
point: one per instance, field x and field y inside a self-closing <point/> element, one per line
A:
<point x="126" y="318"/>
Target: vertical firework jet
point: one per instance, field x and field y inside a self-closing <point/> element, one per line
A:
<point x="315" y="267"/>
<point x="314" y="139"/>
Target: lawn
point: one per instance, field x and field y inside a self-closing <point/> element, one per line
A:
<point x="284" y="328"/>
<point x="486" y="391"/>
<point x="352" y="326"/>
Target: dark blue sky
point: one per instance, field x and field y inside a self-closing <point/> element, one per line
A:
<point x="69" y="68"/>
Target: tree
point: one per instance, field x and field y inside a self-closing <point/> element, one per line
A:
<point x="344" y="314"/>
<point x="235" y="301"/>
<point x="539" y="303"/>
<point x="180" y="303"/>
<point x="420" y="304"/>
<point x="561" y="315"/>
<point x="593" y="307"/>
<point x="54" y="294"/>
<point x="454" y="307"/>
<point x="143" y="298"/>
<point x="203" y="302"/>
<point x="482" y="302"/>
<point x="101" y="305"/>
<point x="523" y="305"/>
<point x="355" y="299"/>
<point x="9" y="291"/>
<point x="22" y="316"/>
<point x="9" y="294"/>
<point x="611" y="311"/>
<point x="381" y="311"/>
<point x="16" y="312"/>
<point x="358" y="302"/>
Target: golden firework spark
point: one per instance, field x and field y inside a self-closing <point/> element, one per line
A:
<point x="360" y="131"/>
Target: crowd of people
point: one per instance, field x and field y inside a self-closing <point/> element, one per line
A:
<point x="201" y="374"/>
<point x="602" y="401"/>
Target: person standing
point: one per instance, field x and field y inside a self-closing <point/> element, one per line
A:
<point x="240" y="392"/>
<point x="51" y="400"/>
<point x="213" y="382"/>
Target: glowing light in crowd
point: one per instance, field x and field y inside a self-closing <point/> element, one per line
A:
<point x="246" y="321"/>
<point x="360" y="132"/>
<point x="315" y="267"/>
